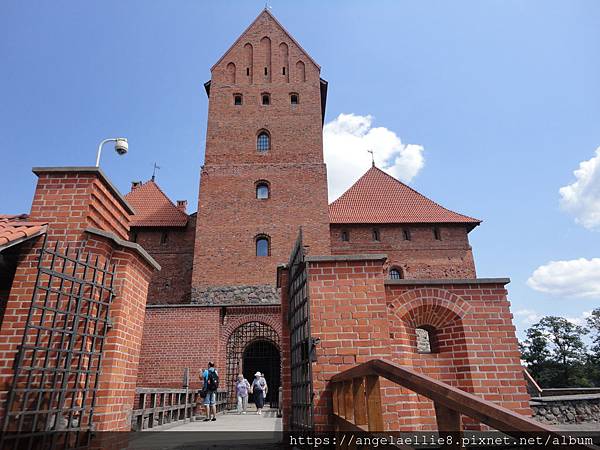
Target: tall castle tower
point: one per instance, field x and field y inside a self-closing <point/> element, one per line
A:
<point x="264" y="175"/>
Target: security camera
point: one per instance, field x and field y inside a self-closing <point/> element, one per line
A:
<point x="121" y="146"/>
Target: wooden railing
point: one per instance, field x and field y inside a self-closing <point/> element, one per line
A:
<point x="357" y="403"/>
<point x="159" y="407"/>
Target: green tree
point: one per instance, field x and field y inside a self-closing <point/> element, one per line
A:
<point x="593" y="322"/>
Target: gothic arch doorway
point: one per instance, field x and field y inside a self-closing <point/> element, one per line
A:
<point x="246" y="348"/>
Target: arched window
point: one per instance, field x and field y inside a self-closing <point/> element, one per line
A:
<point x="396" y="273"/>
<point x="406" y="234"/>
<point x="266" y="98"/>
<point x="375" y="234"/>
<point x="237" y="99"/>
<point x="345" y="236"/>
<point x="294" y="99"/>
<point x="263" y="141"/>
<point x="262" y="190"/>
<point x="425" y="339"/>
<point x="437" y="234"/>
<point x="262" y="245"/>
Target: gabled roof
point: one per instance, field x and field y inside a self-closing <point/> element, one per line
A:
<point x="15" y="229"/>
<point x="379" y="198"/>
<point x="153" y="208"/>
<point x="266" y="12"/>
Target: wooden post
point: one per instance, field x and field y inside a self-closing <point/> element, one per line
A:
<point x="448" y="423"/>
<point x="360" y="401"/>
<point x="334" y="398"/>
<point x="374" y="413"/>
<point x="340" y="400"/>
<point x="348" y="401"/>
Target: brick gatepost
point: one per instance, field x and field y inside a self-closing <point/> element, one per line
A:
<point x="86" y="212"/>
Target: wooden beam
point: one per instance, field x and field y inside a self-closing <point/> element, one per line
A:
<point x="374" y="413"/>
<point x="360" y="401"/>
<point x="449" y="425"/>
<point x="348" y="401"/>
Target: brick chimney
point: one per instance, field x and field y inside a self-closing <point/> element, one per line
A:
<point x="182" y="205"/>
<point x="135" y="184"/>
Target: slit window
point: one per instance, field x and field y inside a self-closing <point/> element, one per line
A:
<point x="263" y="142"/>
<point x="266" y="72"/>
<point x="164" y="237"/>
<point x="375" y="235"/>
<point x="345" y="236"/>
<point x="262" y="190"/>
<point x="247" y="71"/>
<point x="237" y="99"/>
<point x="294" y="99"/>
<point x="406" y="234"/>
<point x="266" y="99"/>
<point x="283" y="70"/>
<point x="437" y="234"/>
<point x="395" y="274"/>
<point x="262" y="246"/>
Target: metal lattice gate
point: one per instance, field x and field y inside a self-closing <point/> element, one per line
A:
<point x="301" y="344"/>
<point x="52" y="397"/>
<point x="237" y="343"/>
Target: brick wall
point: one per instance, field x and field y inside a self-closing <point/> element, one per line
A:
<point x="229" y="214"/>
<point x="357" y="317"/>
<point x="172" y="284"/>
<point x="421" y="257"/>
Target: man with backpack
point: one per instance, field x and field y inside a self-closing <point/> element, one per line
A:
<point x="211" y="384"/>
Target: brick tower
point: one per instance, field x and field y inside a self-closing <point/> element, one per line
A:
<point x="264" y="175"/>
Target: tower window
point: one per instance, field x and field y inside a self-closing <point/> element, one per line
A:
<point x="406" y="234"/>
<point x="266" y="99"/>
<point x="395" y="274"/>
<point x="283" y="71"/>
<point x="266" y="72"/>
<point x="262" y="190"/>
<point x="294" y="99"/>
<point x="263" y="142"/>
<point x="164" y="237"/>
<point x="262" y="245"/>
<point x="247" y="71"/>
<point x="375" y="234"/>
<point x="437" y="234"/>
<point x="345" y="236"/>
<point x="237" y="99"/>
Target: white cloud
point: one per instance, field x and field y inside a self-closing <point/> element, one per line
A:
<point x="573" y="278"/>
<point x="527" y="316"/>
<point x="582" y="197"/>
<point x="581" y="320"/>
<point x="346" y="140"/>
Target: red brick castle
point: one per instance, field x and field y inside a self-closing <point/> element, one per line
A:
<point x="103" y="294"/>
<point x="217" y="297"/>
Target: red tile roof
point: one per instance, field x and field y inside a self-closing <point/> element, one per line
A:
<point x="16" y="228"/>
<point x="379" y="198"/>
<point x="153" y="208"/>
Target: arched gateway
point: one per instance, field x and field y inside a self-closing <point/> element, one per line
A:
<point x="251" y="347"/>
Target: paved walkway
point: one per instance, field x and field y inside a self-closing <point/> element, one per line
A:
<point x="230" y="430"/>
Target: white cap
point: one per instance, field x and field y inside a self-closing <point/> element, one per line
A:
<point x="257" y="374"/>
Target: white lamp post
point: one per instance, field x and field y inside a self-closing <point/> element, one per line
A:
<point x="121" y="147"/>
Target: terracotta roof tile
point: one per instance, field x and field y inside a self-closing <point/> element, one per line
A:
<point x="153" y="208"/>
<point x="379" y="198"/>
<point x="16" y="228"/>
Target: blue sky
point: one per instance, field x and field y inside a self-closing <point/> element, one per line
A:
<point x="499" y="101"/>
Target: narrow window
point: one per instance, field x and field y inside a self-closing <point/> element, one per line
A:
<point x="263" y="142"/>
<point x="247" y="71"/>
<point x="164" y="237"/>
<point x="283" y="71"/>
<point x="262" y="190"/>
<point x="345" y="236"/>
<point x="395" y="274"/>
<point x="266" y="71"/>
<point x="294" y="99"/>
<point x="266" y="99"/>
<point x="237" y="99"/>
<point x="437" y="234"/>
<point x="406" y="234"/>
<point x="134" y="237"/>
<point x="262" y="246"/>
<point x="425" y="340"/>
<point x="375" y="234"/>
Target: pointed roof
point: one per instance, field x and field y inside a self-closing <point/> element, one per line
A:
<point x="379" y="198"/>
<point x="153" y="208"/>
<point x="265" y="12"/>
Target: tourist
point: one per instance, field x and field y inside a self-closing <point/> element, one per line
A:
<point x="211" y="384"/>
<point x="242" y="386"/>
<point x="258" y="388"/>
